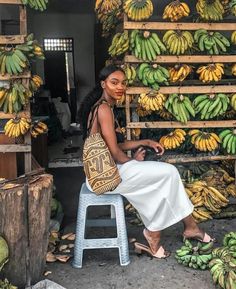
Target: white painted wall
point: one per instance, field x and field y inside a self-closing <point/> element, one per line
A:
<point x="78" y="26"/>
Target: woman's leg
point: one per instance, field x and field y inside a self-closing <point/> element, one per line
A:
<point x="191" y="229"/>
<point x="153" y="239"/>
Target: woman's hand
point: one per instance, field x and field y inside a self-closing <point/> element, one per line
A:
<point x="156" y="146"/>
<point x="139" y="155"/>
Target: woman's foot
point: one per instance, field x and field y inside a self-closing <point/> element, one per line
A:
<point x="199" y="235"/>
<point x="153" y="239"/>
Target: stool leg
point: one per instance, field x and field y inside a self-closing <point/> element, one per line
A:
<point x="122" y="234"/>
<point x="80" y="235"/>
<point x="113" y="212"/>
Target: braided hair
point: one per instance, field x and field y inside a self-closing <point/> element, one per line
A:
<point x="93" y="96"/>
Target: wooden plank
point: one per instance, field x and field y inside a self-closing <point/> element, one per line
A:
<point x="23" y="20"/>
<point x="128" y="119"/>
<point x="185" y="89"/>
<point x="15" y="148"/>
<point x="27" y="156"/>
<point x="12" y="39"/>
<point x="185" y="58"/>
<point x="8" y="163"/>
<point x="178" y="26"/>
<point x="24" y="113"/>
<point x="9" y="77"/>
<point x="10" y="2"/>
<point x="176" y="124"/>
<point x="186" y="159"/>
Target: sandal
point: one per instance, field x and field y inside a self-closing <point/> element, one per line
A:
<point x="160" y="254"/>
<point x="206" y="238"/>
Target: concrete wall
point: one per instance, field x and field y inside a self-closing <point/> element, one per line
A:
<point x="78" y="26"/>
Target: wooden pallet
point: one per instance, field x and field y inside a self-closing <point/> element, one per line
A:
<point x="187" y="89"/>
<point x="17" y="39"/>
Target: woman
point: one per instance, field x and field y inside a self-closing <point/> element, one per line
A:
<point x="153" y="188"/>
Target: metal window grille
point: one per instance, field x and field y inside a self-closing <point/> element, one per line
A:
<point x="58" y="44"/>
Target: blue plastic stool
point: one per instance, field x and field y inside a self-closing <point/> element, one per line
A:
<point x="86" y="199"/>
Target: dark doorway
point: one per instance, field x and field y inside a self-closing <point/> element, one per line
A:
<point x="55" y="74"/>
<point x="59" y="71"/>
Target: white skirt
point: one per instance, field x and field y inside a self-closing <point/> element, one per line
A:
<point x="156" y="191"/>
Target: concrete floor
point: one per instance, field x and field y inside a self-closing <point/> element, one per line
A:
<point x="101" y="269"/>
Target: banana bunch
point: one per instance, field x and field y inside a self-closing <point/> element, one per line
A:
<point x="221" y="180"/>
<point x="233" y="101"/>
<point x="174" y="139"/>
<point x="31" y="48"/>
<point x="152" y="101"/>
<point x="222" y="267"/>
<point x="178" y="42"/>
<point x="231" y="190"/>
<point x="138" y="10"/>
<point x="228" y="139"/>
<point x="105" y="6"/>
<point x="120" y="44"/>
<point x="204" y="141"/>
<point x="146" y="45"/>
<point x="232" y="6"/>
<point x="141" y="112"/>
<point x="206" y="196"/>
<point x="36" y="4"/>
<point x="108" y="13"/>
<point x="16" y="127"/>
<point x="110" y="20"/>
<point x="37" y="128"/>
<point x="153" y="75"/>
<point x="14" y="98"/>
<point x="130" y="73"/>
<point x="234" y="69"/>
<point x="229" y="241"/>
<point x="179" y="72"/>
<point x="135" y="132"/>
<point x="5" y="284"/>
<point x="12" y="61"/>
<point x="211" y="42"/>
<point x="196" y="257"/>
<point x="210" y="9"/>
<point x="34" y="83"/>
<point x="211" y="72"/>
<point x="211" y="105"/>
<point x="165" y="114"/>
<point x="180" y="107"/>
<point x="233" y="37"/>
<point x="176" y="10"/>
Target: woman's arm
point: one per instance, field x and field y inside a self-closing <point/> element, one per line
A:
<point x="106" y="122"/>
<point x="130" y="145"/>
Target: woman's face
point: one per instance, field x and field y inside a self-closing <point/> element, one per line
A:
<point x="115" y="84"/>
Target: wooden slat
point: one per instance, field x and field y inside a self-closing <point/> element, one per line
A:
<point x="23" y="20"/>
<point x="24" y="113"/>
<point x="12" y="39"/>
<point x="9" y="77"/>
<point x="186" y="159"/>
<point x="180" y="25"/>
<point x="176" y="124"/>
<point x="186" y="58"/>
<point x="10" y="2"/>
<point x="27" y="156"/>
<point x="15" y="148"/>
<point x="186" y="89"/>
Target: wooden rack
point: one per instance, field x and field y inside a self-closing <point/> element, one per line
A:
<point x="184" y="89"/>
<point x="17" y="39"/>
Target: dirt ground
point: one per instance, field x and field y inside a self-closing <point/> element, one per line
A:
<point x="101" y="269"/>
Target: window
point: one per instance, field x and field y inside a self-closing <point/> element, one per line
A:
<point x="58" y="44"/>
